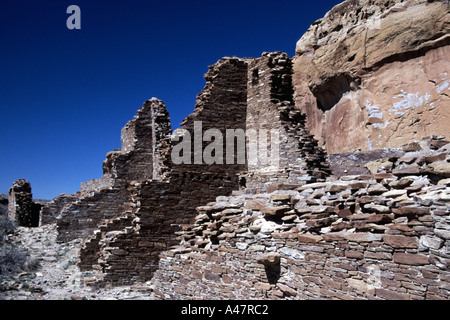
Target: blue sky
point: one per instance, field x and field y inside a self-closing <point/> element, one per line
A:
<point x="66" y="94"/>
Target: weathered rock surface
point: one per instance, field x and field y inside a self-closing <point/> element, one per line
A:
<point x="375" y="74"/>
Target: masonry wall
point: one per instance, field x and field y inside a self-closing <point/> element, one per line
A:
<point x="132" y="253"/>
<point x="288" y="233"/>
<point x="52" y="210"/>
<point x="140" y="156"/>
<point x="159" y="209"/>
<point x="377" y="236"/>
<point x="222" y="106"/>
<point x="146" y="196"/>
<point x="79" y="215"/>
<point x="271" y="110"/>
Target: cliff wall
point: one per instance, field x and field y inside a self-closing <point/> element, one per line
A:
<point x="375" y="74"/>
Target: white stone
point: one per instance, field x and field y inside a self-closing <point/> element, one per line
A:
<point x="431" y="242"/>
<point x="292" y="253"/>
<point x="241" y="245"/>
<point x="269" y="227"/>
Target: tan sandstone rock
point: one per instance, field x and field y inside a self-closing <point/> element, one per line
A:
<point x="375" y="76"/>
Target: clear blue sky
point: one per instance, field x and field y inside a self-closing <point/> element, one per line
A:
<point x="66" y="94"/>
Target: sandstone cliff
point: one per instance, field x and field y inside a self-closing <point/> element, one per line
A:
<point x="375" y="74"/>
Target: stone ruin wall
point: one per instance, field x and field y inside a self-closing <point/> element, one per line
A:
<point x="271" y="107"/>
<point x="164" y="208"/>
<point x="78" y="215"/>
<point x="159" y="208"/>
<point x="127" y="221"/>
<point x="131" y="254"/>
<point x="375" y="236"/>
<point x="221" y="105"/>
<point x="288" y="233"/>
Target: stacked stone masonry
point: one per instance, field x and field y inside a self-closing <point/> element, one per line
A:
<point x="140" y="158"/>
<point x="245" y="230"/>
<point x="163" y="208"/>
<point x="377" y="236"/>
<point x="271" y="107"/>
<point x="21" y="207"/>
<point x="158" y="208"/>
<point x="131" y="214"/>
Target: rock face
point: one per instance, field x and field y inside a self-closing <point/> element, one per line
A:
<point x="375" y="74"/>
<point x="21" y="208"/>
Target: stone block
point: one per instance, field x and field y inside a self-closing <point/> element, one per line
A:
<point x="354" y="254"/>
<point x="269" y="259"/>
<point x="412" y="210"/>
<point x="401" y="241"/>
<point x="394" y="193"/>
<point x="377" y="208"/>
<point x="407" y="170"/>
<point x="391" y="295"/>
<point x="280" y="197"/>
<point x="410" y="259"/>
<point x="309" y="238"/>
<point x="441" y="169"/>
<point x="272" y="212"/>
<point x="362" y="237"/>
<point x="288" y="291"/>
<point x="377" y="255"/>
<point x="254" y="205"/>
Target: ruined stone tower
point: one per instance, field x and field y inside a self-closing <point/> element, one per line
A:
<point x="21" y="208"/>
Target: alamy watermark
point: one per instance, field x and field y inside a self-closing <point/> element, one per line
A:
<point x="234" y="146"/>
<point x="74" y="20"/>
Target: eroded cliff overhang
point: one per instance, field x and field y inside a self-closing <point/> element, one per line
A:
<point x="375" y="74"/>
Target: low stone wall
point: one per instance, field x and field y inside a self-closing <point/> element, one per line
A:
<point x="52" y="210"/>
<point x="378" y="236"/>
<point x="106" y="181"/>
<point x="129" y="251"/>
<point x="82" y="217"/>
